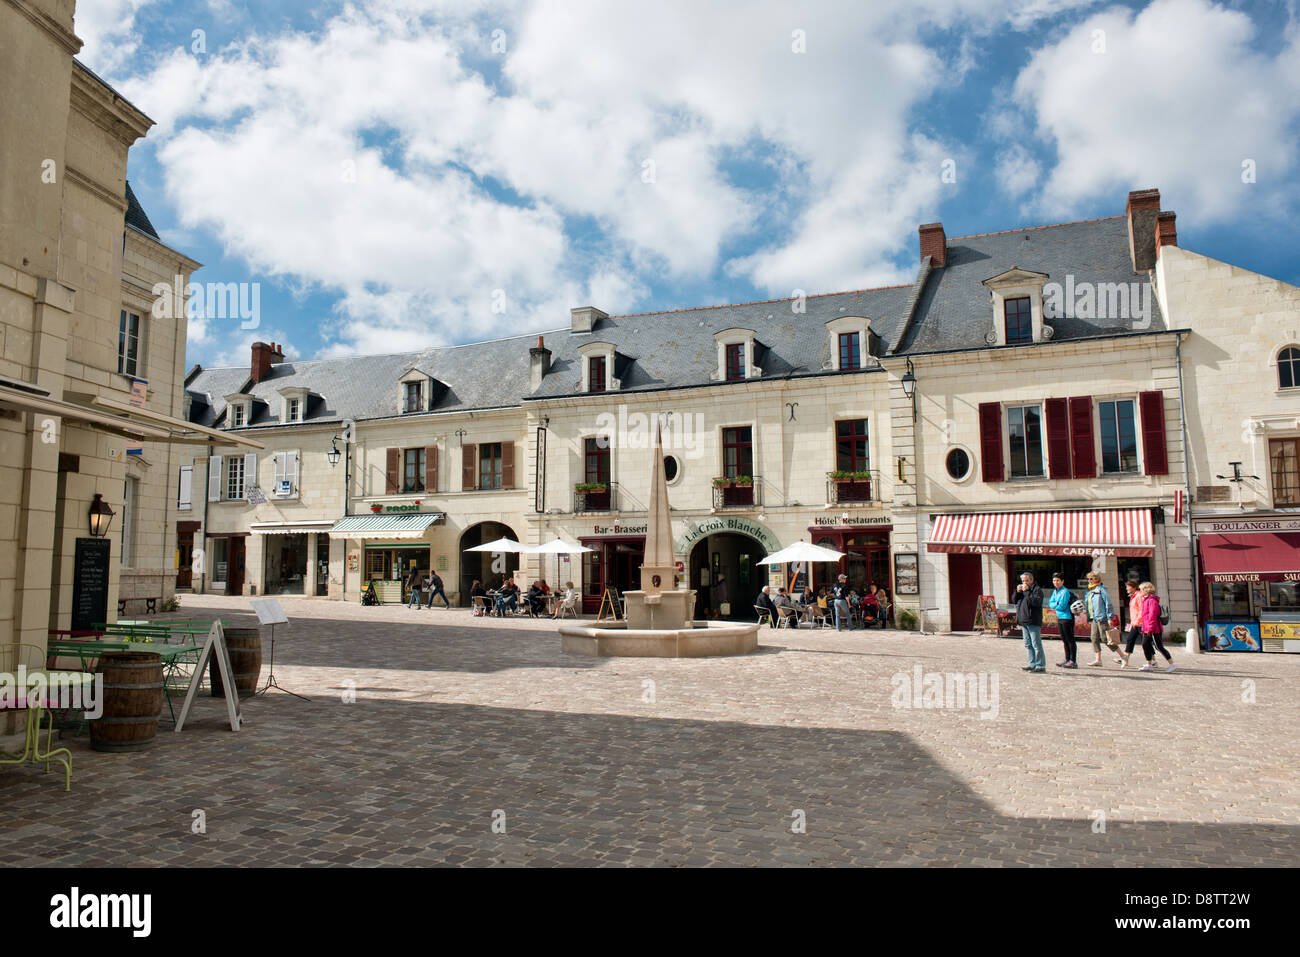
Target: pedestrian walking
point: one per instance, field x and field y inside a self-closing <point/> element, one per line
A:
<point x="1100" y="612"/>
<point x="414" y="582"/>
<point x="435" y="589"/>
<point x="1134" y="633"/>
<point x="1060" y="601"/>
<point x="1153" y="628"/>
<point x="1029" y="615"/>
<point x="840" y="595"/>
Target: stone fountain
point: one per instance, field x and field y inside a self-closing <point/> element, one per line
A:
<point x="659" y="617"/>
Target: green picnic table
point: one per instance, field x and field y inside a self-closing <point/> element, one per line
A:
<point x="89" y="651"/>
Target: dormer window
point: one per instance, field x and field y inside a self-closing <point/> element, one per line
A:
<point x="1017" y="296"/>
<point x="238" y="415"/>
<point x="735" y="361"/>
<point x="412" y="397"/>
<point x="1018" y="320"/>
<point x="293" y="406"/>
<point x="850" y="351"/>
<point x="596" y="373"/>
<point x="293" y="410"/>
<point x="239" y="410"/>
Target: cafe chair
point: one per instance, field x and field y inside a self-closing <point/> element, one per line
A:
<point x="785" y="615"/>
<point x="32" y="658"/>
<point x="763" y="614"/>
<point x="568" y="606"/>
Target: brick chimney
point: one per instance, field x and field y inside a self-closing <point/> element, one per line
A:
<point x="539" y="360"/>
<point x="934" y="243"/>
<point x="1166" y="234"/>
<point x="265" y="355"/>
<point x="1142" y="210"/>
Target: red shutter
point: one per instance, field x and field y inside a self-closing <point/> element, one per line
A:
<point x="1085" y="454"/>
<point x="507" y="465"/>
<point x="1155" y="454"/>
<point x="991" y="441"/>
<point x="431" y="468"/>
<point x="469" y="467"/>
<point x="392" y="473"/>
<point x="1058" y="439"/>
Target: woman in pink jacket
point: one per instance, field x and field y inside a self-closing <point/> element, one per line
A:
<point x="1152" y="629"/>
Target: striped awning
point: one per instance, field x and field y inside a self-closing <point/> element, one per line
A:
<point x="289" y="528"/>
<point x="381" y="526"/>
<point x="1121" y="532"/>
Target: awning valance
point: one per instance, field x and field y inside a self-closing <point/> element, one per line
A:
<point x="1254" y="557"/>
<point x="41" y="401"/>
<point x="410" y="525"/>
<point x="1121" y="532"/>
<point x="181" y="431"/>
<point x="289" y="528"/>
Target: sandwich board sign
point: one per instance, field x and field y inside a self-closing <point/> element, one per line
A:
<point x="214" y="644"/>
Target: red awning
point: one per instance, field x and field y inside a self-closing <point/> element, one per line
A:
<point x="1259" y="556"/>
<point x="1121" y="532"/>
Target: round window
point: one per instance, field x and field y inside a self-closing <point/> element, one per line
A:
<point x="671" y="467"/>
<point x="958" y="463"/>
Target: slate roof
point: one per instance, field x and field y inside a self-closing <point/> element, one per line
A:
<point x="135" y="215"/>
<point x="955" y="312"/>
<point x="673" y="349"/>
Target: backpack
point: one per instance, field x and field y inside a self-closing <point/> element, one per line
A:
<point x="1164" y="612"/>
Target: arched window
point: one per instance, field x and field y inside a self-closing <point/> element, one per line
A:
<point x="1288" y="367"/>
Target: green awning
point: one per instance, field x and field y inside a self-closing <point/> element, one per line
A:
<point x="410" y="525"/>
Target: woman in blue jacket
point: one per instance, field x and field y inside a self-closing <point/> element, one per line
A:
<point x="1060" y="601"/>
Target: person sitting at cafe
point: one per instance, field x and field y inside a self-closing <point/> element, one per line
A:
<point x="570" y="594"/>
<point x="871" y="608"/>
<point x="507" y="596"/>
<point x="782" y="600"/>
<point x="477" y="590"/>
<point x="536" y="598"/>
<point x="767" y="606"/>
<point x="809" y="597"/>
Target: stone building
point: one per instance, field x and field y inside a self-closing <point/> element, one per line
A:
<point x="90" y="377"/>
<point x="1024" y="405"/>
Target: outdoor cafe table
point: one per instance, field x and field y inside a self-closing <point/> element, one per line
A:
<point x="48" y="678"/>
<point x="86" y="650"/>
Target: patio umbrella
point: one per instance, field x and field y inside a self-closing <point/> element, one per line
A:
<point x="504" y="545"/>
<point x="557" y="548"/>
<point x="802" y="552"/>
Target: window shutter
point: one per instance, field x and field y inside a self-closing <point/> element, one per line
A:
<point x="431" y="468"/>
<point x="1154" y="454"/>
<point x="280" y="460"/>
<point x="185" y="491"/>
<point x="991" y="441"/>
<point x="507" y="465"/>
<point x="250" y="472"/>
<point x="469" y="467"/>
<point x="393" y="472"/>
<point x="1081" y="442"/>
<point x="291" y="469"/>
<point x="1058" y="438"/>
<point x="214" y="478"/>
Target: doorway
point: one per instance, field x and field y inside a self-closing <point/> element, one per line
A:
<point x="185" y="553"/>
<point x="724" y="569"/>
<point x="235" y="566"/>
<point x="487" y="567"/>
<point x="965" y="582"/>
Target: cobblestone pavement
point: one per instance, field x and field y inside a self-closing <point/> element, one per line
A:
<point x="461" y="722"/>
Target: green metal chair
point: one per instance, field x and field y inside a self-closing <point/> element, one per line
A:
<point x="32" y="658"/>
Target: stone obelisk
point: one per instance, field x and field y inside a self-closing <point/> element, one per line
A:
<point x="659" y="603"/>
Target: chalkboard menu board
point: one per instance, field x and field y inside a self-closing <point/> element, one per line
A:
<point x="90" y="583"/>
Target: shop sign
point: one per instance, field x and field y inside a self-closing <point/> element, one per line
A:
<point x="408" y="507"/>
<point x="1254" y="576"/>
<point x="1279" y="629"/>
<point x="838" y="521"/>
<point x="1205" y="526"/>
<point x="617" y="529"/>
<point x="722" y="526"/>
<point x="1078" y="551"/>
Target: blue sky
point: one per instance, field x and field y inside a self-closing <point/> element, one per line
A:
<point x="401" y="173"/>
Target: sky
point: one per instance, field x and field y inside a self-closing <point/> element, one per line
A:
<point x="394" y="174"/>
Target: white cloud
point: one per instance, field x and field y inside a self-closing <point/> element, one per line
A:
<point x="1017" y="172"/>
<point x="1178" y="100"/>
<point x="107" y="29"/>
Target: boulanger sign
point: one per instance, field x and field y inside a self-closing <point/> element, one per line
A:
<point x="1254" y="576"/>
<point x="723" y="526"/>
<point x="1205" y="526"/>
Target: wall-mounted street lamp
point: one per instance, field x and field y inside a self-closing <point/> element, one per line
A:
<point x="101" y="516"/>
<point x="460" y="436"/>
<point x="909" y="386"/>
<point x="333" y="455"/>
<point x="1236" y="474"/>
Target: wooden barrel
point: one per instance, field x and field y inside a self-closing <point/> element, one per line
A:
<point x="133" y="700"/>
<point x="245" y="648"/>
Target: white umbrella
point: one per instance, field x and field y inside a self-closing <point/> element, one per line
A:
<point x="560" y="547"/>
<point x="503" y="545"/>
<point x="802" y="552"/>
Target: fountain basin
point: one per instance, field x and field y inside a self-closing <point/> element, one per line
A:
<point x="703" y="639"/>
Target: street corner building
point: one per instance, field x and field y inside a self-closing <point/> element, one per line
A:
<point x="91" y="381"/>
<point x="1056" y="398"/>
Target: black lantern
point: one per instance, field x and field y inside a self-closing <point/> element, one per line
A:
<point x="909" y="387"/>
<point x="101" y="516"/>
<point x="333" y="454"/>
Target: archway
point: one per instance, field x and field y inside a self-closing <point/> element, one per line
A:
<point x="734" y="556"/>
<point x="487" y="567"/>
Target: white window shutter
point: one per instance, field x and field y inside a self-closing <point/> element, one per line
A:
<point x="291" y="469"/>
<point x="185" y="488"/>
<point x="250" y="471"/>
<point x="279" y="467"/>
<point x="214" y="478"/>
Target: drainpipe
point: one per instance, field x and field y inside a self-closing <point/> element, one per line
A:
<point x="1187" y="509"/>
<point x="203" y="575"/>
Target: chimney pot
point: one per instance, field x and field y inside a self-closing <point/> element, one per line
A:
<point x="1166" y="233"/>
<point x="1142" y="209"/>
<point x="261" y="362"/>
<point x="934" y="243"/>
